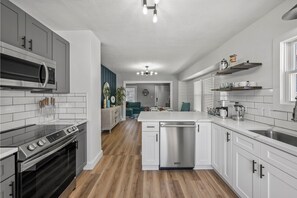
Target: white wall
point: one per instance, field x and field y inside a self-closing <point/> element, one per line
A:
<point x="254" y="44"/>
<point x="121" y="77"/>
<point x="85" y="76"/>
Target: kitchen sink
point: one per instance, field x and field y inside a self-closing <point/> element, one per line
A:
<point x="288" y="139"/>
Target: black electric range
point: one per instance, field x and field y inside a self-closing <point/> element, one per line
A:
<point x="33" y="139"/>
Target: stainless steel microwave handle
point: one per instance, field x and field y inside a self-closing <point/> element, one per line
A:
<point x="177" y="125"/>
<point x="31" y="162"/>
<point x="46" y="74"/>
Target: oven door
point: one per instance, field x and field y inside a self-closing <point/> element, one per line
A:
<point x="49" y="174"/>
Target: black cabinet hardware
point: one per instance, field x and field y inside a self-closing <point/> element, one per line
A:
<point x="254" y="169"/>
<point x="24" y="42"/>
<point x="12" y="189"/>
<point x="228" y="136"/>
<point x="198" y="128"/>
<point x="31" y="44"/>
<point x="261" y="171"/>
<point x="156" y="137"/>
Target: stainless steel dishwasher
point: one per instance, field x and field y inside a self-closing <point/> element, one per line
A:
<point x="177" y="145"/>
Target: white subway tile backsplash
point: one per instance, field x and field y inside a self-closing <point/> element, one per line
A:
<point x="6" y="118"/>
<point x="19" y="108"/>
<point x="286" y="124"/>
<point x="268" y="99"/>
<point x="23" y="100"/>
<point x="11" y="109"/>
<point x="23" y="115"/>
<point x="6" y="101"/>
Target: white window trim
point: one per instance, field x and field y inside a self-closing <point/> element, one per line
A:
<point x="279" y="92"/>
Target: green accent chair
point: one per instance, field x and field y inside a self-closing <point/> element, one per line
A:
<point x="185" y="106"/>
<point x="133" y="108"/>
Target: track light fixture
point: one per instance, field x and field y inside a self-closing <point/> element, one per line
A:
<point x="154" y="7"/>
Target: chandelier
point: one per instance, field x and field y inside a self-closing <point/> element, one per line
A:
<point x="154" y="7"/>
<point x="147" y="72"/>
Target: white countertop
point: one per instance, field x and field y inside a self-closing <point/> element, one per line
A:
<point x="241" y="127"/>
<point x="5" y="152"/>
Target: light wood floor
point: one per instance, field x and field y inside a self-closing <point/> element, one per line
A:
<point x="119" y="174"/>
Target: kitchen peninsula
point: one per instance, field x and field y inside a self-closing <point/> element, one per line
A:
<point x="228" y="147"/>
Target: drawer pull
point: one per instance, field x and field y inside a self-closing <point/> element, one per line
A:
<point x="254" y="169"/>
<point x="261" y="171"/>
<point x="12" y="189"/>
<point x="228" y="137"/>
<point x="31" y="44"/>
<point x="24" y="41"/>
<point x="156" y="137"/>
<point x="150" y="127"/>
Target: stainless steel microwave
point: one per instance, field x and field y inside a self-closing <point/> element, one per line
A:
<point x="21" y="69"/>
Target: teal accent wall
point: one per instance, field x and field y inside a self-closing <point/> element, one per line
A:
<point x="108" y="76"/>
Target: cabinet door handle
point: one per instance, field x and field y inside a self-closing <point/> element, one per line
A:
<point x="31" y="44"/>
<point x="261" y="171"/>
<point x="157" y="138"/>
<point x="12" y="189"/>
<point x="24" y="42"/>
<point x="254" y="169"/>
<point x="198" y="128"/>
<point x="228" y="136"/>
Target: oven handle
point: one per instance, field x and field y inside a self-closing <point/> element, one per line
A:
<point x="31" y="162"/>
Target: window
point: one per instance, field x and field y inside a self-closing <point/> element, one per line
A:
<point x="285" y="71"/>
<point x="289" y="63"/>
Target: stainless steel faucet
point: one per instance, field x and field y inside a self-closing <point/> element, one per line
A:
<point x="295" y="111"/>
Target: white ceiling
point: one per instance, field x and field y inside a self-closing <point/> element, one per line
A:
<point x="186" y="29"/>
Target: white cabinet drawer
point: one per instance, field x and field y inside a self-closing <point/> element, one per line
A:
<point x="246" y="143"/>
<point x="150" y="126"/>
<point x="280" y="159"/>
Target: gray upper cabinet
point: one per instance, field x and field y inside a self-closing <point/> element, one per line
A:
<point x="81" y="152"/>
<point x="39" y="37"/>
<point x="61" y="50"/>
<point x="13" y="22"/>
<point x="21" y="30"/>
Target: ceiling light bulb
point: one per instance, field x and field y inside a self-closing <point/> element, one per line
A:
<point x="137" y="73"/>
<point x="142" y="73"/>
<point x="155" y="18"/>
<point x="144" y="10"/>
<point x="151" y="73"/>
<point x="157" y="1"/>
<point x="156" y="73"/>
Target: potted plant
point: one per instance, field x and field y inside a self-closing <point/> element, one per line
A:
<point x="120" y="96"/>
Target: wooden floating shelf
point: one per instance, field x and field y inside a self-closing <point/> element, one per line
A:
<point x="238" y="68"/>
<point x="238" y="88"/>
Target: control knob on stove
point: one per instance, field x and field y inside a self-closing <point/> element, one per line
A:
<point x="40" y="143"/>
<point x="31" y="147"/>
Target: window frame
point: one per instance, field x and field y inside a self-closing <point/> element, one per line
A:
<point x="281" y="74"/>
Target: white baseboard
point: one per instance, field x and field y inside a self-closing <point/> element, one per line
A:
<point x="91" y="164"/>
<point x="204" y="167"/>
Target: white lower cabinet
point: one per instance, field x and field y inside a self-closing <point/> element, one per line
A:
<point x="203" y="146"/>
<point x="276" y="183"/>
<point x="222" y="151"/>
<point x="216" y="152"/>
<point x="245" y="173"/>
<point x="253" y="169"/>
<point x="150" y="150"/>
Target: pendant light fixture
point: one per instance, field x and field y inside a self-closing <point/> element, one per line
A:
<point x="154" y="7"/>
<point x="291" y="14"/>
<point x="147" y="72"/>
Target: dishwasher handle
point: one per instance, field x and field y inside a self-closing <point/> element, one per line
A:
<point x="178" y="125"/>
